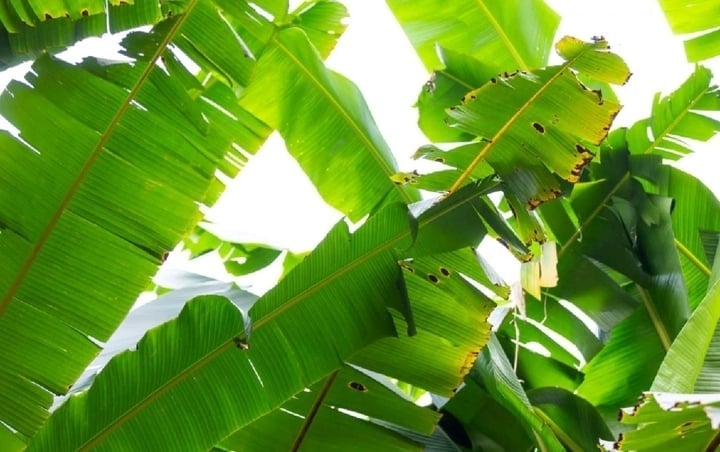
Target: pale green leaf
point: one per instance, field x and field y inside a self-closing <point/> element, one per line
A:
<point x="326" y="125"/>
<point x="511" y="34"/>
<point x="672" y="422"/>
<point x="682" y="114"/>
<point x="697" y="16"/>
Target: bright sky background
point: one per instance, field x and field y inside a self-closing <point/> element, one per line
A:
<point x="272" y="201"/>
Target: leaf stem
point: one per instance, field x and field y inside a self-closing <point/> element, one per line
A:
<point x="492" y="141"/>
<point x="314" y="411"/>
<point x="692" y="258"/>
<point x="655" y="317"/>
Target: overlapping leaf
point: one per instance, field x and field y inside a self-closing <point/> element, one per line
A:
<point x="290" y="343"/>
<point x="622" y="227"/>
<point x="211" y="356"/>
<point x="683" y="363"/>
<point x="328" y="415"/>
<point x="494" y="373"/>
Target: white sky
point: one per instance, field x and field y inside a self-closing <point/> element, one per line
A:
<point x="375" y="54"/>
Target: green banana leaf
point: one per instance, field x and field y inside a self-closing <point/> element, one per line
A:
<point x="574" y="420"/>
<point x="697" y="212"/>
<point x="672" y="422"/>
<point x="699" y="17"/>
<point x="290" y="342"/>
<point x="495" y="374"/>
<point x="338" y="413"/>
<point x="512" y="35"/>
<point x="682" y="114"/>
<point x="343" y="154"/>
<point x="476" y="421"/>
<point x="541" y="122"/>
<point x="97" y="175"/>
<point x="683" y="362"/>
<point x="622" y="227"/>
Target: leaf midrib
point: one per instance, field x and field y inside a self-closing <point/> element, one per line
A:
<point x="647" y="302"/>
<point x="513" y="119"/>
<point x="230" y="342"/>
<point x="503" y="36"/>
<point x="375" y="152"/>
<point x="667" y="131"/>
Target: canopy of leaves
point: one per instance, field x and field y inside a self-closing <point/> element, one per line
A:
<point x="113" y="163"/>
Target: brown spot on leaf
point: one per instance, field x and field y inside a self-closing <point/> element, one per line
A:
<point x="444" y="271"/>
<point x="433" y="278"/>
<point x="84" y="13"/>
<point x="48" y="16"/>
<point x="539" y="128"/>
<point x="357" y="386"/>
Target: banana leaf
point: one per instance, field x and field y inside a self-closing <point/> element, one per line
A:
<point x="699" y="18"/>
<point x="541" y="121"/>
<point x="671" y="422"/>
<point x="680" y="115"/>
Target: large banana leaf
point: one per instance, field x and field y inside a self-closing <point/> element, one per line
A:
<point x="243" y="369"/>
<point x="326" y="125"/>
<point x="289" y="343"/>
<point x="119" y="156"/>
<point x="696" y="17"/>
<point x="541" y="121"/>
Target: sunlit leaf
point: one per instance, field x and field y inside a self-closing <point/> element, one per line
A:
<point x="343" y="154"/>
<point x="540" y="123"/>
<point x="698" y="16"/>
<point x="672" y="422"/>
<point x="680" y="115"/>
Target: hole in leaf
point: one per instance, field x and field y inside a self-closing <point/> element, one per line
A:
<point x="84" y="13"/>
<point x="48" y="16"/>
<point x="433" y="278"/>
<point x="357" y="386"/>
<point x="540" y="129"/>
<point x="445" y="272"/>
